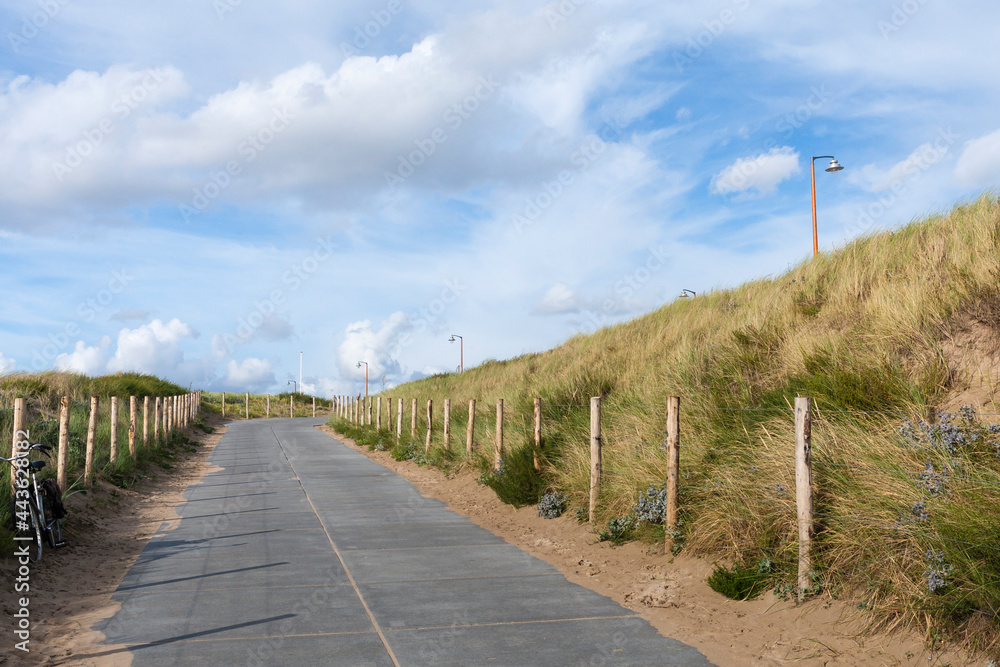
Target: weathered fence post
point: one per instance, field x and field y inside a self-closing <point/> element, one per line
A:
<point x="673" y="464"/>
<point x="19" y="440"/>
<point x="88" y="461"/>
<point x="803" y="488"/>
<point x="413" y="419"/>
<point x="314" y="406"/>
<point x="157" y="407"/>
<point x="291" y="406"/>
<point x="447" y="423"/>
<point x="62" y="456"/>
<point x="471" y="426"/>
<point x="114" y="429"/>
<point x="145" y="422"/>
<point x="378" y="418"/>
<point x="430" y="419"/>
<point x="595" y="454"/>
<point x="133" y="424"/>
<point x="399" y="419"/>
<point x="388" y="413"/>
<point x="498" y="443"/>
<point x="538" y="435"/>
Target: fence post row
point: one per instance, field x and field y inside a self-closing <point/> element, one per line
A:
<point x="803" y="488"/>
<point x="538" y="435"/>
<point x="447" y="423"/>
<point x="132" y="423"/>
<point x="595" y="453"/>
<point x="62" y="456"/>
<point x="498" y="445"/>
<point x="88" y="461"/>
<point x="430" y="416"/>
<point x="471" y="426"/>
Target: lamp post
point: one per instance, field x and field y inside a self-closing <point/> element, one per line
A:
<point x="834" y="166"/>
<point x="461" y="351"/>
<point x="366" y="376"/>
<point x="300" y="367"/>
<point x="295" y="386"/>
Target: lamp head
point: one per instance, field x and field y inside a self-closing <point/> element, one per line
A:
<point x="834" y="165"/>
<point x="451" y="339"/>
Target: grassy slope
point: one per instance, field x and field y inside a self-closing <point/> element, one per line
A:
<point x="860" y="329"/>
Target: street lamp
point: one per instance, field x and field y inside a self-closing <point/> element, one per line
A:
<point x="461" y="351"/>
<point x="295" y="386"/>
<point x="834" y="167"/>
<point x="685" y="293"/>
<point x="366" y="376"/>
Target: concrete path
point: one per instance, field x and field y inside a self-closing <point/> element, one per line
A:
<point x="302" y="551"/>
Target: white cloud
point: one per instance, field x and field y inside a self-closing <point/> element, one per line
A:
<point x="920" y="160"/>
<point x="84" y="359"/>
<point x="253" y="375"/>
<point x="979" y="164"/>
<point x="362" y="342"/>
<point x="557" y="300"/>
<point x="6" y="365"/>
<point x="152" y="348"/>
<point x="762" y="173"/>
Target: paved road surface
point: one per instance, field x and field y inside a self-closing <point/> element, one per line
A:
<point x="301" y="551"/>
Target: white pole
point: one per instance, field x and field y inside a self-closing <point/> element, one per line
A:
<point x="300" y="371"/>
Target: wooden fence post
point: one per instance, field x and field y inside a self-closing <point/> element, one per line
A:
<point x="133" y="424"/>
<point x="538" y="435"/>
<point x="595" y="454"/>
<point x="673" y="464"/>
<point x="314" y="406"/>
<point x="268" y="408"/>
<point x="447" y="423"/>
<point x="498" y="443"/>
<point x="156" y="420"/>
<point x="88" y="461"/>
<point x="19" y="440"/>
<point x="62" y="456"/>
<point x="399" y="419"/>
<point x="291" y="406"/>
<point x="378" y="419"/>
<point x="114" y="429"/>
<point x="430" y="419"/>
<point x="413" y="419"/>
<point x="803" y="488"/>
<point x="145" y="422"/>
<point x="471" y="426"/>
<point x="388" y="413"/>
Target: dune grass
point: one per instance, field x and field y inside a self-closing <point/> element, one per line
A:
<point x="908" y="522"/>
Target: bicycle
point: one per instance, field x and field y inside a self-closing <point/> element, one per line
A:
<point x="34" y="503"/>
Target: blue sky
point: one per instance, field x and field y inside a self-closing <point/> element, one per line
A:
<point x="203" y="190"/>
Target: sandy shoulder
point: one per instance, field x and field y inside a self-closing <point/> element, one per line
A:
<point x="671" y="593"/>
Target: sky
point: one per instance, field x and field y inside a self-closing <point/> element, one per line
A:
<point x="212" y="191"/>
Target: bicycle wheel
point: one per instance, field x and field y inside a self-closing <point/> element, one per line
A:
<point x="53" y="531"/>
<point x="36" y="523"/>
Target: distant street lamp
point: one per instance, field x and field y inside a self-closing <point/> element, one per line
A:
<point x="366" y="376"/>
<point x="834" y="167"/>
<point x="461" y="351"/>
<point x="685" y="293"/>
<point x="295" y="386"/>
